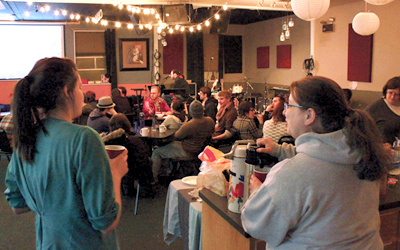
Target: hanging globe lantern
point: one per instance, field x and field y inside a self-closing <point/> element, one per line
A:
<point x="310" y="9"/>
<point x="366" y="23"/>
<point x="378" y="2"/>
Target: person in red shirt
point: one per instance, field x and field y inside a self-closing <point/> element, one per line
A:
<point x="155" y="103"/>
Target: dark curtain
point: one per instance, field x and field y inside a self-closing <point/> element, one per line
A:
<point x="111" y="57"/>
<point x="233" y="54"/>
<point x="221" y="57"/>
<point x="195" y="58"/>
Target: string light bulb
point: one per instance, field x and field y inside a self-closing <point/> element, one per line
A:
<point x="207" y="23"/>
<point x="216" y="16"/>
<point x="287" y="34"/>
<point x="64" y="12"/>
<point x="191" y="29"/>
<point x="282" y="37"/>
<point x="56" y="12"/>
<point x="182" y="29"/>
<point x="225" y="7"/>
<point x="87" y="19"/>
<point x="26" y="13"/>
<point x="291" y="23"/>
<point x="199" y="27"/>
<point x="118" y="24"/>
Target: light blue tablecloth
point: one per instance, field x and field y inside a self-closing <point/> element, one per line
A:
<point x="171" y="227"/>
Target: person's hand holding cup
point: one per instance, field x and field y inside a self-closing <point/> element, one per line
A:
<point x="118" y="160"/>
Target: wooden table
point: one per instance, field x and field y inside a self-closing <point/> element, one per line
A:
<point x="155" y="138"/>
<point x="221" y="228"/>
<point x="155" y="134"/>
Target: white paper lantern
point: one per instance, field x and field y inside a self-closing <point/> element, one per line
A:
<point x="310" y="9"/>
<point x="366" y="23"/>
<point x="378" y="2"/>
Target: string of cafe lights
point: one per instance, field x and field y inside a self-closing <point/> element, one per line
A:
<point x="161" y="26"/>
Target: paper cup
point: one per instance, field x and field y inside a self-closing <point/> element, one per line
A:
<point x="114" y="150"/>
<point x="261" y="173"/>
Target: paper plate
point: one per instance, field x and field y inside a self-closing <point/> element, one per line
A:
<point x="190" y="180"/>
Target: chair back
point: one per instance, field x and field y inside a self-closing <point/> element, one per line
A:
<point x="4" y="143"/>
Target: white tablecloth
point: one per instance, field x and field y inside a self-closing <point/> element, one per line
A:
<point x="171" y="226"/>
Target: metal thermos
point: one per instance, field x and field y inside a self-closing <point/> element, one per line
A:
<point x="238" y="172"/>
<point x="252" y="162"/>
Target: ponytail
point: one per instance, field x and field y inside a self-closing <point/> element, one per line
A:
<point x="41" y="88"/>
<point x="26" y="121"/>
<point x="363" y="135"/>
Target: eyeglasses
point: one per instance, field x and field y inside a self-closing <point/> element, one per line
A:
<point x="287" y="106"/>
<point x="393" y="94"/>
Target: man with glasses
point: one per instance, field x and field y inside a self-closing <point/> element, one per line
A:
<point x="209" y="102"/>
<point x="386" y="111"/>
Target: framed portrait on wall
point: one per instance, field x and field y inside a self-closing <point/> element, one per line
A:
<point x="133" y="54"/>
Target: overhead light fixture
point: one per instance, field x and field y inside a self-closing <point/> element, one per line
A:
<point x="310" y="9"/>
<point x="366" y="23"/>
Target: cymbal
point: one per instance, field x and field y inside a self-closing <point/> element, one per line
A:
<point x="244" y="79"/>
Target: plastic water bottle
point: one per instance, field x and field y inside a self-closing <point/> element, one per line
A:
<point x="141" y="120"/>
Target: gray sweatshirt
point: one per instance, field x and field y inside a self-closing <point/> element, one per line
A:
<point x="315" y="200"/>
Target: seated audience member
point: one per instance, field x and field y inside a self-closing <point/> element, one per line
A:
<point x="178" y="117"/>
<point x="209" y="102"/>
<point x="226" y="115"/>
<point x="6" y="124"/>
<point x="275" y="127"/>
<point x="122" y="104"/>
<point x="270" y="108"/>
<point x="99" y="118"/>
<point x="386" y="111"/>
<point x="90" y="105"/>
<point x="155" y="103"/>
<point x="348" y="94"/>
<point x="245" y="124"/>
<point x="189" y="140"/>
<point x="336" y="144"/>
<point x="139" y="162"/>
<point x="123" y="91"/>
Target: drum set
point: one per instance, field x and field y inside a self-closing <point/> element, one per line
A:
<point x="260" y="101"/>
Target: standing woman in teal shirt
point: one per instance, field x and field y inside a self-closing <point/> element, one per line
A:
<point x="60" y="170"/>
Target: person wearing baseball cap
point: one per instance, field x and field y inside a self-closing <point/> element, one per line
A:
<point x="99" y="118"/>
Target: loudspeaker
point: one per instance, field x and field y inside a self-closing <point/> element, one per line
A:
<point x="220" y="26"/>
<point x="136" y="20"/>
<point x="177" y="14"/>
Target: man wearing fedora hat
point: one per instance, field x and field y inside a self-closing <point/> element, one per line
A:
<point x="99" y="118"/>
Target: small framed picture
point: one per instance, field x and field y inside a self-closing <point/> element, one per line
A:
<point x="133" y="54"/>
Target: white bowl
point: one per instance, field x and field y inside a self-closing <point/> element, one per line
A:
<point x="160" y="116"/>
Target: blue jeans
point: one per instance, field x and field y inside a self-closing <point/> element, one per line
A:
<point x="171" y="150"/>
